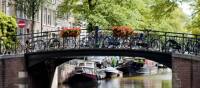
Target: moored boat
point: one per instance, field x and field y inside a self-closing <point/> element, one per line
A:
<point x="84" y="72"/>
<point x="112" y="72"/>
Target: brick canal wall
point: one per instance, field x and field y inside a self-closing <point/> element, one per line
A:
<point x="186" y="71"/>
<point x="12" y="72"/>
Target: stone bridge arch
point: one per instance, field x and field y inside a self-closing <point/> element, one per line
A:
<point x="41" y="65"/>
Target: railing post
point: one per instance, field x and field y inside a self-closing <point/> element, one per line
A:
<point x="1" y="46"/>
<point x="148" y="39"/>
<point x="96" y="36"/>
<point x="183" y="43"/>
<point x="165" y="41"/>
<point x="63" y="42"/>
<point x="15" y="44"/>
<point x="196" y="44"/>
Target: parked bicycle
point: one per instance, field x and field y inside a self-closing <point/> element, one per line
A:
<point x="192" y="46"/>
<point x="92" y="41"/>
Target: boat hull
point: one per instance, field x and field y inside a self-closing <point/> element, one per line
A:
<point x="111" y="75"/>
<point x="80" y="78"/>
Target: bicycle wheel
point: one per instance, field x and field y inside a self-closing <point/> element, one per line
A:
<point x="38" y="45"/>
<point x="156" y="45"/>
<point x="106" y="42"/>
<point x="133" y="43"/>
<point x="172" y="46"/>
<point x="197" y="48"/>
<point x="19" y="48"/>
<point x="189" y="48"/>
<point x="54" y="43"/>
<point x="2" y="49"/>
<point x="91" y="43"/>
<point x="126" y="43"/>
<point x="69" y="43"/>
<point x="82" y="43"/>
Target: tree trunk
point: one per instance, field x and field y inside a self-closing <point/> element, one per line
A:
<point x="90" y="27"/>
<point x="32" y="26"/>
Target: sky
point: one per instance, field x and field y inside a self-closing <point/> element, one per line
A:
<point x="186" y="8"/>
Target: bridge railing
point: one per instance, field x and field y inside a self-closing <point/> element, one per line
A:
<point x="143" y="39"/>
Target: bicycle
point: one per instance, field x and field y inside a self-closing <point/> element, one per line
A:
<point x="69" y="42"/>
<point x="91" y="40"/>
<point x="192" y="46"/>
<point x="115" y="42"/>
<point x="9" y="46"/>
<point x="2" y="48"/>
<point x="142" y="40"/>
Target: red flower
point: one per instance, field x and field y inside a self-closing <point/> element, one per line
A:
<point x="70" y="32"/>
<point x="122" y="31"/>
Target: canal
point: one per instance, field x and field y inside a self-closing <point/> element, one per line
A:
<point x="162" y="79"/>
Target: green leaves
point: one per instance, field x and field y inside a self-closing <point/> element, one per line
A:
<point x="29" y="7"/>
<point x="8" y="28"/>
<point x="155" y="14"/>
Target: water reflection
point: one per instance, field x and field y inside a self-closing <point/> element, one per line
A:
<point x="114" y="83"/>
<point x="143" y="81"/>
<point x="152" y="81"/>
<point x="91" y="84"/>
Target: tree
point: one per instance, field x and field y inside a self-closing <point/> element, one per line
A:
<point x="104" y="13"/>
<point x="8" y="28"/>
<point x="193" y="25"/>
<point x="30" y="8"/>
<point x="135" y="13"/>
<point x="175" y="22"/>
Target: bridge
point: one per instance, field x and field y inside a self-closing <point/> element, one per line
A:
<point x="39" y="56"/>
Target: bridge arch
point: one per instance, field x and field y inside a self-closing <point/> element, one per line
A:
<point x="41" y="64"/>
<point x="36" y="57"/>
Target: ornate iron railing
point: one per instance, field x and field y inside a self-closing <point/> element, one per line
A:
<point x="145" y="39"/>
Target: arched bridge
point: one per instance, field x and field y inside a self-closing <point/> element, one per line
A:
<point x="43" y="53"/>
<point x="154" y="45"/>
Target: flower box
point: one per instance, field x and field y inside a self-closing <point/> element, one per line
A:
<point x="122" y="31"/>
<point x="70" y="32"/>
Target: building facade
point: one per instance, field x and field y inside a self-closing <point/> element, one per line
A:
<point x="45" y="19"/>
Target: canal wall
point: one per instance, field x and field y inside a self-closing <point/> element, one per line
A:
<point x="55" y="79"/>
<point x="13" y="72"/>
<point x="185" y="71"/>
<point x="64" y="72"/>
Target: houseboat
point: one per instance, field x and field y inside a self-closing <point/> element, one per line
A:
<point x="84" y="72"/>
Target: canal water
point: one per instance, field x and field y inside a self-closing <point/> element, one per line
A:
<point x="158" y="80"/>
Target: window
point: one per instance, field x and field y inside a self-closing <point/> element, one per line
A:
<point x="3" y="6"/>
<point x="37" y="16"/>
<point x="45" y="16"/>
<point x="18" y="14"/>
<point x="21" y="15"/>
<point x="54" y="18"/>
<point x="49" y="17"/>
<point x="82" y="64"/>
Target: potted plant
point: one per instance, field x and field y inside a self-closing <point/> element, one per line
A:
<point x="70" y="32"/>
<point x="122" y="31"/>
